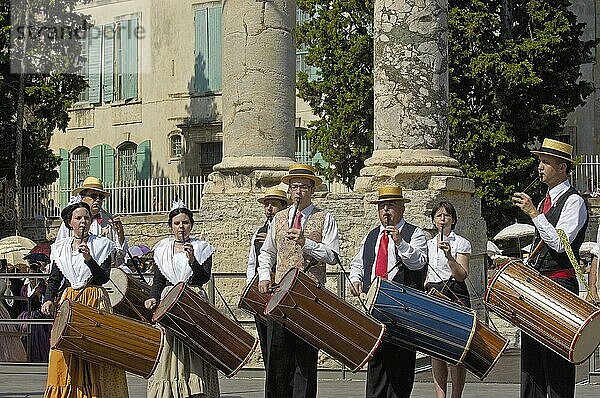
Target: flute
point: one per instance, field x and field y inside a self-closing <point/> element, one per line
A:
<point x="388" y="220"/>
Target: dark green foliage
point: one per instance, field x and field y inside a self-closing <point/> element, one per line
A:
<point x="513" y="70"/>
<point x="47" y="98"/>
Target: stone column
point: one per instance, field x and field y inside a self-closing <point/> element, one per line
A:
<point x="259" y="69"/>
<point x="411" y="124"/>
<point x="411" y="94"/>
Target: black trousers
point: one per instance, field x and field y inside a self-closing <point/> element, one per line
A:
<point x="290" y="364"/>
<point x="543" y="371"/>
<point x="391" y="372"/>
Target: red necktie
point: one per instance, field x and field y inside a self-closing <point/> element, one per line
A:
<point x="297" y="221"/>
<point x="381" y="263"/>
<point x="547" y="203"/>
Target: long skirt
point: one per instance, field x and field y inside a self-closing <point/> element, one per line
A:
<point x="11" y="347"/>
<point x="73" y="377"/>
<point x="181" y="373"/>
<point x="39" y="336"/>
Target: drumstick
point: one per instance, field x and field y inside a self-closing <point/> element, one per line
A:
<point x="532" y="184"/>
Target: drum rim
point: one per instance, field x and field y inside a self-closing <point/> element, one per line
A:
<point x="163" y="336"/>
<point x="66" y="303"/>
<point x="497" y="274"/>
<point x="243" y="363"/>
<point x="374" y="349"/>
<point x="578" y="334"/>
<point x="371" y="298"/>
<point x="243" y="296"/>
<point x="500" y="353"/>
<point x="278" y="296"/>
<point x="117" y="290"/>
<point x="179" y="289"/>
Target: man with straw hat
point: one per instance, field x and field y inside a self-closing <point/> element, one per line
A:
<point x="103" y="223"/>
<point x="273" y="201"/>
<point x="393" y="250"/>
<point x="543" y="371"/>
<point x="303" y="237"/>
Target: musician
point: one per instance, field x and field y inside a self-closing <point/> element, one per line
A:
<point x="181" y="258"/>
<point x="394" y="250"/>
<point x="103" y="223"/>
<point x="448" y="255"/>
<point x="593" y="275"/>
<point x="84" y="261"/>
<point x="543" y="371"/>
<point x="273" y="200"/>
<point x="303" y="237"/>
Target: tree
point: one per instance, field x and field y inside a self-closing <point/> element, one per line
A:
<point x="36" y="95"/>
<point x="514" y="69"/>
<point x="340" y="43"/>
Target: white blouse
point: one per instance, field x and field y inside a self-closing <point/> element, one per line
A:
<point x="439" y="270"/>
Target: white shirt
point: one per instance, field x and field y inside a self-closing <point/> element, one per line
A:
<point x="251" y="270"/>
<point x="321" y="251"/>
<point x="413" y="254"/>
<point x="571" y="220"/>
<point x="439" y="270"/>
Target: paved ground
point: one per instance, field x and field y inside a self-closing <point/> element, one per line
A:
<point x="501" y="382"/>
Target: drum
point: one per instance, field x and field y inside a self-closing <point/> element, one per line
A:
<point x="206" y="331"/>
<point x="127" y="295"/>
<point x="324" y="320"/>
<point x="421" y="322"/>
<point x="544" y="310"/>
<point x="105" y="338"/>
<point x="252" y="300"/>
<point x="485" y="348"/>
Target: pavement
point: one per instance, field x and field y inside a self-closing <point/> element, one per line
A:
<point x="503" y="381"/>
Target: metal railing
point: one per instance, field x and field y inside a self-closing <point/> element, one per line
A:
<point x="586" y="175"/>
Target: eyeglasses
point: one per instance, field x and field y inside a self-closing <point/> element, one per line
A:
<point x="302" y="187"/>
<point x="95" y="196"/>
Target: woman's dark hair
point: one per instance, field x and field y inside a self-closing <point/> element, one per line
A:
<point x="67" y="213"/>
<point x="449" y="208"/>
<point x="178" y="211"/>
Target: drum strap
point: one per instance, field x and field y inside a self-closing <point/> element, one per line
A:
<point x="578" y="269"/>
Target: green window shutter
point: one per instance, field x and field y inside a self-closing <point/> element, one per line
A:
<point x="130" y="58"/>
<point x="108" y="67"/>
<point x="96" y="161"/>
<point x="214" y="49"/>
<point x="63" y="170"/>
<point x="201" y="52"/>
<point x="94" y="66"/>
<point x="108" y="164"/>
<point x="143" y="160"/>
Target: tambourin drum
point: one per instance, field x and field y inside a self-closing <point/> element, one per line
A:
<point x="324" y="320"/>
<point x="127" y="295"/>
<point x="544" y="310"/>
<point x="206" y="331"/>
<point x="105" y="338"/>
<point x="252" y="300"/>
<point x="485" y="348"/>
<point x="421" y="322"/>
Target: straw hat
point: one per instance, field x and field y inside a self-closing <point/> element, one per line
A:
<point x="274" y="193"/>
<point x="386" y="194"/>
<point x="557" y="149"/>
<point x="299" y="170"/>
<point x="91" y="183"/>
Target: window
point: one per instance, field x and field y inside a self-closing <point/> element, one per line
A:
<point x="91" y="52"/>
<point x="207" y="54"/>
<point x="211" y="153"/>
<point x="126" y="59"/>
<point x="80" y="165"/>
<point x="127" y="162"/>
<point x="302" y="51"/>
<point x="176" y="146"/>
<point x="303" y="153"/>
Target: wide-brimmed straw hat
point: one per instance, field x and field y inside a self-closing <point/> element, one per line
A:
<point x="274" y="193"/>
<point x="299" y="170"/>
<point x="387" y="194"/>
<point x="92" y="184"/>
<point x="557" y="149"/>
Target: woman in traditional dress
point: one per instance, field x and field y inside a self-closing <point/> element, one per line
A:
<point x="11" y="347"/>
<point x="448" y="268"/>
<point x="181" y="258"/>
<point x="84" y="261"/>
